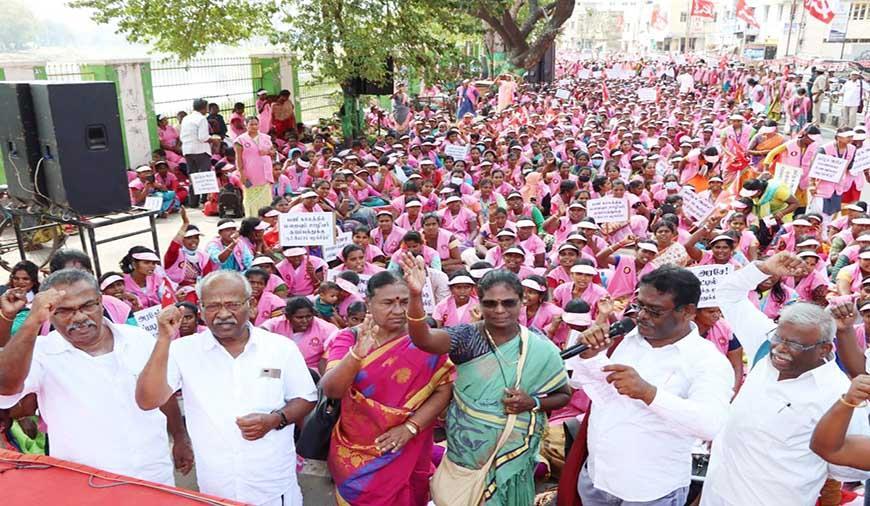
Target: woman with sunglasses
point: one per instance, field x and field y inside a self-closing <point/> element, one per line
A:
<point x="487" y="393"/>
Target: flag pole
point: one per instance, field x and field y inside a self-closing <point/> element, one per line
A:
<point x="790" y="24"/>
<point x="688" y="27"/>
<point x="846" y="31"/>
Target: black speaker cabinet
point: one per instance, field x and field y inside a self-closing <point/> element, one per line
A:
<point x="81" y="148"/>
<point x="20" y="145"/>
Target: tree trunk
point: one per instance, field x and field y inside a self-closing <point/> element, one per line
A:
<point x="352" y="119"/>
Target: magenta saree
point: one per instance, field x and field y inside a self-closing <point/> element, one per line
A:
<point x="393" y="382"/>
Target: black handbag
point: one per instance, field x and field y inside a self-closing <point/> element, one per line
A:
<point x="314" y="438"/>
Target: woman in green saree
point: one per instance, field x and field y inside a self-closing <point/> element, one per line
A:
<point x="485" y="393"/>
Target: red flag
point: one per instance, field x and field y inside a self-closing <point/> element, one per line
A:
<point x="746" y="13"/>
<point x="167" y="295"/>
<point x="605" y="96"/>
<point x="819" y="9"/>
<point x="704" y="9"/>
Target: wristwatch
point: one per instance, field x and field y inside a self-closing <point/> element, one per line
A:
<point x="283" y="422"/>
<point x="537" y="404"/>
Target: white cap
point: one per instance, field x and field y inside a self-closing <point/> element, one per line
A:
<point x="346" y="285"/>
<point x="748" y="193"/>
<point x="863" y="238"/>
<point x="722" y="237"/>
<point x="534" y="285"/>
<point x="525" y="223"/>
<point x="800" y="222"/>
<point x="262" y="226"/>
<point x="568" y="245"/>
<point x="808" y="253"/>
<point x="648" y="246"/>
<point x="861" y="221"/>
<point x="576" y="204"/>
<point x="767" y="130"/>
<point x="864" y="256"/>
<point x="414" y="203"/>
<point x="736" y="117"/>
<point x="294" y="252"/>
<point x="309" y="195"/>
<point x="461" y="280"/>
<point x="262" y="261"/>
<point x="515" y="251"/>
<point x="192" y="233"/>
<point x="583" y="319"/>
<point x="272" y="213"/>
<point x="808" y="242"/>
<point x="478" y="273"/>
<point x="584" y="269"/>
<point x="506" y="233"/>
<point x="114" y="278"/>
<point x="146" y="256"/>
<point x="384" y="212"/>
<point x="854" y="207"/>
<point x="229" y="224"/>
<point x="452" y="199"/>
<point x="588" y="225"/>
<point x="143" y="168"/>
<point x="847" y="133"/>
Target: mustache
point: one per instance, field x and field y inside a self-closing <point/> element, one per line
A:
<point x="221" y="321"/>
<point x="76" y="326"/>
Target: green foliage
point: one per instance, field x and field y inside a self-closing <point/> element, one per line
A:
<point x="21" y="29"/>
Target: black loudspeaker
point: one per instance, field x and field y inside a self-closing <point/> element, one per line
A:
<point x="80" y="146"/>
<point x="20" y="145"/>
<point x="545" y="70"/>
<point x="364" y="87"/>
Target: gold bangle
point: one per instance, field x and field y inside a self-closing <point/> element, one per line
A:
<point x="412" y="427"/>
<point x="3" y="315"/>
<point x="354" y="355"/>
<point x="412" y="319"/>
<point x="847" y="403"/>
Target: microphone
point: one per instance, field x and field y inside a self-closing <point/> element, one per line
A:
<point x="619" y="328"/>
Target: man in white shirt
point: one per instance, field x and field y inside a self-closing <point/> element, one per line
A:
<point x="244" y="389"/>
<point x="762" y="455"/>
<point x="195" y="144"/>
<point x="84" y="376"/>
<point x="853" y="91"/>
<point x="663" y="388"/>
<point x="686" y="82"/>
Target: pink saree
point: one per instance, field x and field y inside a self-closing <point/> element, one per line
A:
<point x="393" y="382"/>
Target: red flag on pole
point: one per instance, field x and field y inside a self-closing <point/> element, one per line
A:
<point x="819" y="9"/>
<point x="746" y="14"/>
<point x="659" y="19"/>
<point x="704" y="9"/>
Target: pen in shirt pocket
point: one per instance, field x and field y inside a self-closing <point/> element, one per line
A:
<point x="786" y="405"/>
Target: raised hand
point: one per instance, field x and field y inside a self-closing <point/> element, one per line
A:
<point x="414" y="270"/>
<point x="12" y="302"/>
<point x="365" y="341"/>
<point x="859" y="391"/>
<point x="784" y="264"/>
<point x="844" y="314"/>
<point x="45" y="303"/>
<point x="168" y="322"/>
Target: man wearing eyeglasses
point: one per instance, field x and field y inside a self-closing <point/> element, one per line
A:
<point x="84" y="376"/>
<point x="762" y="455"/>
<point x="244" y="389"/>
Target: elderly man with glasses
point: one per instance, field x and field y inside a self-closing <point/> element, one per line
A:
<point x="763" y="455"/>
<point x="244" y="389"/>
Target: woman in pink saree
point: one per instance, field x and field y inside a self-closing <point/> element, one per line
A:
<point x="391" y="392"/>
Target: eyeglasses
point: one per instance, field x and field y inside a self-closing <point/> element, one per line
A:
<point x="65" y="313"/>
<point x="232" y="307"/>
<point x="507" y="303"/>
<point x="774" y="338"/>
<point x="655" y="313"/>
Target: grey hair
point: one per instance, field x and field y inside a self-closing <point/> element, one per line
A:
<point x="805" y="314"/>
<point x="66" y="277"/>
<point x="222" y="275"/>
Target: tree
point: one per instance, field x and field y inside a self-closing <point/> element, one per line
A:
<point x="20" y="26"/>
<point x="340" y="39"/>
<point x="526" y="27"/>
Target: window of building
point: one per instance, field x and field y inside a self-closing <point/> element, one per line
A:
<point x="859" y="11"/>
<point x="683" y="17"/>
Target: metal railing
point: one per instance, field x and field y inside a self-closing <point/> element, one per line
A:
<point x="317" y="99"/>
<point x="67" y="72"/>
<point x="224" y="81"/>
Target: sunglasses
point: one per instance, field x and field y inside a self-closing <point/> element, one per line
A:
<point x="507" y="303"/>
